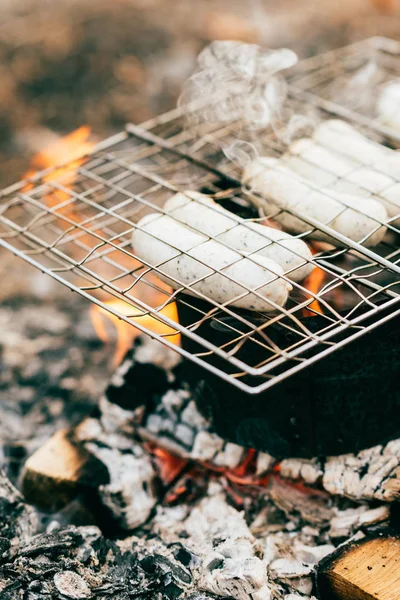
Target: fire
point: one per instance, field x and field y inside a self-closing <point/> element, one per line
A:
<point x="126" y="333"/>
<point x="68" y="151"/>
<point x="314" y="283"/>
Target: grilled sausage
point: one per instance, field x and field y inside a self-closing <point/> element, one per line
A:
<point x="203" y="214"/>
<point x="328" y="168"/>
<point x="160" y="242"/>
<point x="352" y="216"/>
<point x="347" y="141"/>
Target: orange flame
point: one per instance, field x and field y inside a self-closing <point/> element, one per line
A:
<point x="69" y="152"/>
<point x="69" y="149"/>
<point x="314" y="283"/>
<point x="126" y="333"/>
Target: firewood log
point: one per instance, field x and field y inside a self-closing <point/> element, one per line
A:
<point x="57" y="471"/>
<point x="365" y="570"/>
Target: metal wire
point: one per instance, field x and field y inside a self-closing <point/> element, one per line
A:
<point x="347" y="81"/>
<point x="76" y="225"/>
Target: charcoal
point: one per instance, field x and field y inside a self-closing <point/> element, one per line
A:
<point x="17" y="520"/>
<point x="78" y="562"/>
<point x="146" y="372"/>
<point x="372" y="474"/>
<point x="129" y="492"/>
<point x="162" y="410"/>
<point x="200" y="535"/>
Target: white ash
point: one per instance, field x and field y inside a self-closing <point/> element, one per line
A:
<point x="129" y="495"/>
<point x="291" y="558"/>
<point x="282" y="562"/>
<point x="372" y="474"/>
<point x="348" y="521"/>
<point x="114" y="418"/>
<point x="264" y="463"/>
<point x="231" y="562"/>
<point x="72" y="585"/>
<point x="312" y="507"/>
<point x="176" y="424"/>
<point x="158" y="354"/>
<point x="308" y="470"/>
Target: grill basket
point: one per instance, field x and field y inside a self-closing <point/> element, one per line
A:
<point x="76" y="223"/>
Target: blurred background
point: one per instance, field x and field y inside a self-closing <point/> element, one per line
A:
<point x="102" y="63"/>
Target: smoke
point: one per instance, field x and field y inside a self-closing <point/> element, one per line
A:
<point x="241" y="153"/>
<point x="357" y="92"/>
<point x="237" y="83"/>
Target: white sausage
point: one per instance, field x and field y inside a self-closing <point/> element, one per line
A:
<point x="160" y="240"/>
<point x="203" y="214"/>
<point x="346" y="140"/>
<point x="327" y="168"/>
<point x="281" y="188"/>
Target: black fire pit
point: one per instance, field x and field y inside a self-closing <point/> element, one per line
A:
<point x="343" y="403"/>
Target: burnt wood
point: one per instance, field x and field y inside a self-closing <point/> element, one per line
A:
<point x="343" y="403"/>
<point x="55" y="474"/>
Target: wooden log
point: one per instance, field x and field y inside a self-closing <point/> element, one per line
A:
<point x="364" y="570"/>
<point x="58" y="471"/>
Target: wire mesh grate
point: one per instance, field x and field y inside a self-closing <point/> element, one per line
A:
<point x="76" y="224"/>
<point x="350" y="80"/>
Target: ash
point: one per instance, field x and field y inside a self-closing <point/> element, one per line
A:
<point x="171" y="510"/>
<point x="52" y="369"/>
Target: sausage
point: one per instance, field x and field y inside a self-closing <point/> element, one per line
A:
<point x="329" y="169"/>
<point x="160" y="240"/>
<point x="203" y="214"/>
<point x="347" y="141"/>
<point x="282" y="188"/>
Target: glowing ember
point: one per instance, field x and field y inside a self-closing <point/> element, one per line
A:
<point x="190" y="479"/>
<point x="126" y="333"/>
<point x="169" y="466"/>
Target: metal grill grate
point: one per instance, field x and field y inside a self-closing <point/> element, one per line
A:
<point x="348" y="81"/>
<point x="76" y="225"/>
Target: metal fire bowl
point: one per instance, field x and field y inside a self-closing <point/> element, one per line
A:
<point x="348" y="401"/>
